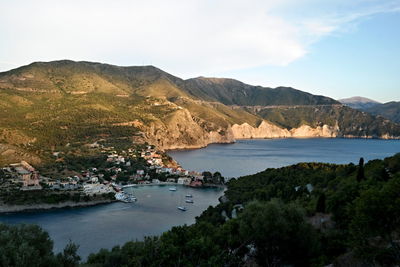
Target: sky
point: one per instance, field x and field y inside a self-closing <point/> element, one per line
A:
<point x="337" y="48"/>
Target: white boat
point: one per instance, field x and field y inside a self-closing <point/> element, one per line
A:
<point x="128" y="185"/>
<point x="125" y="197"/>
<point x="119" y="195"/>
<point x="189" y="200"/>
<point x="172" y="189"/>
<point x="182" y="208"/>
<point x="189" y="195"/>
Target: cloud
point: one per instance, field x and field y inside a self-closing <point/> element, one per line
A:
<point x="185" y="37"/>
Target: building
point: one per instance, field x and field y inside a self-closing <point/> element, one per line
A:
<point x="196" y="184"/>
<point x="184" y="181"/>
<point x="28" y="175"/>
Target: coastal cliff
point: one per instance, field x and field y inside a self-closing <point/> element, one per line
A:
<point x="268" y="130"/>
<point x="180" y="131"/>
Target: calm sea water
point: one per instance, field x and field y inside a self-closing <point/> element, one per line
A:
<point x="251" y="156"/>
<point x="113" y="224"/>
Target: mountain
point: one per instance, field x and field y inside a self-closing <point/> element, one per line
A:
<point x="233" y="92"/>
<point x="358" y="102"/>
<point x="389" y="110"/>
<point x="64" y="105"/>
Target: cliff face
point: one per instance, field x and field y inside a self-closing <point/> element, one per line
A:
<point x="268" y="130"/>
<point x="179" y="131"/>
<point x="182" y="132"/>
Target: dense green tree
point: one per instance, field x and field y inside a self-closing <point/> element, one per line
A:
<point x="360" y="171"/>
<point x="207" y="176"/>
<point x="25" y="245"/>
<point x="321" y="206"/>
<point x="217" y="178"/>
<point x="278" y="233"/>
<point x="69" y="257"/>
<point x="28" y="245"/>
<point x="376" y="222"/>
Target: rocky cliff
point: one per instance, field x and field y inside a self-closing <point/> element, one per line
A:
<point x="269" y="130"/>
<point x="180" y="131"/>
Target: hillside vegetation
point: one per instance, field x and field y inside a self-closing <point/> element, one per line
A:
<point x="50" y="106"/>
<point x="389" y="110"/>
<point x="233" y="92"/>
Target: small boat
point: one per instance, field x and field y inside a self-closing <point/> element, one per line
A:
<point x="189" y="195"/>
<point x="182" y="208"/>
<point x="172" y="189"/>
<point x="189" y="200"/>
<point x="128" y="185"/>
<point x="125" y="197"/>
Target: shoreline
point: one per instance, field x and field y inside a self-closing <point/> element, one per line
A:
<point x="207" y="185"/>
<point x="10" y="209"/>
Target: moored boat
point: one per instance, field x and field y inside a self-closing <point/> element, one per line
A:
<point x="125" y="197"/>
<point x="128" y="185"/>
<point x="182" y="208"/>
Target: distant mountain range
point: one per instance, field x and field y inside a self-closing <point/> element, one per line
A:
<point x="49" y="106"/>
<point x="389" y="110"/>
<point x="359" y="102"/>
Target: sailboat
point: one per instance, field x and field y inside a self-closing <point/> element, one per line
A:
<point x="181" y="207"/>
<point x="189" y="198"/>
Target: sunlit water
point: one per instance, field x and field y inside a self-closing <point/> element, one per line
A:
<point x="251" y="156"/>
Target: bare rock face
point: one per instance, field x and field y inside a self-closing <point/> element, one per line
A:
<point x="269" y="130"/>
<point x="264" y="130"/>
<point x="307" y="131"/>
<point x="179" y="131"/>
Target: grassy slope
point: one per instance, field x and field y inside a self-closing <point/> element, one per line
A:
<point x="48" y="105"/>
<point x="45" y="106"/>
<point x="233" y="92"/>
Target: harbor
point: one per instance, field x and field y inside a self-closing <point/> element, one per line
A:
<point x="105" y="226"/>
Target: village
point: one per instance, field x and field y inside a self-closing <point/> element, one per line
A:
<point x="116" y="170"/>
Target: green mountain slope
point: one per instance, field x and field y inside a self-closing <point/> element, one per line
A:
<point x="233" y="92"/>
<point x="390" y="110"/>
<point x="64" y="105"/>
<point x="351" y="122"/>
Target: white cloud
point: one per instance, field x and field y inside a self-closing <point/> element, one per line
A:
<point x="184" y="37"/>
